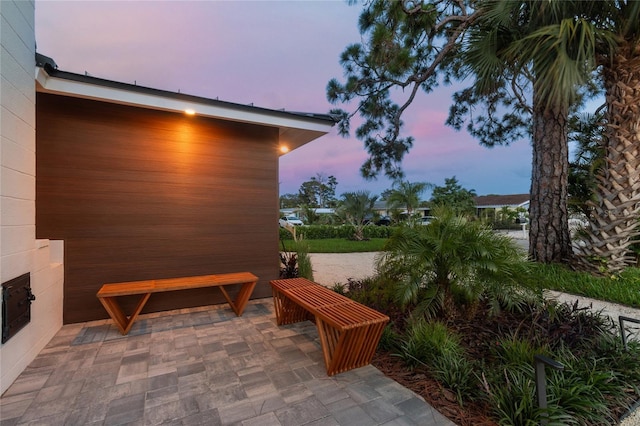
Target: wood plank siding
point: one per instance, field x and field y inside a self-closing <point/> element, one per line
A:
<point x="138" y="194"/>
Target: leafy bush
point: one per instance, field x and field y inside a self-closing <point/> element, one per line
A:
<point x="389" y="341"/>
<point x="452" y="264"/>
<point x="425" y="341"/>
<point x="376" y="292"/>
<point x="514" y="351"/>
<point x="456" y="372"/>
<point x="305" y="269"/>
<point x="322" y="232"/>
<point x="512" y="397"/>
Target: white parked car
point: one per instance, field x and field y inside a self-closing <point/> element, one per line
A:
<point x="291" y="220"/>
<point x="425" y="220"/>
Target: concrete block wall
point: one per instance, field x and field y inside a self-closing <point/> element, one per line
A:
<point x="20" y="252"/>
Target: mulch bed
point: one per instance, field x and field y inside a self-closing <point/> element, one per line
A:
<point x="471" y="414"/>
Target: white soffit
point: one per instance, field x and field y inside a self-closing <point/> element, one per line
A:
<point x="295" y="130"/>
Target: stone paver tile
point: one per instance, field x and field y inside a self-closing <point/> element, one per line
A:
<point x="302" y="412"/>
<point x="261" y="391"/>
<point x="208" y="418"/>
<point x="27" y="383"/>
<point x="193" y="388"/>
<point x="361" y="392"/>
<point x="325" y="421"/>
<point x="235" y="348"/>
<point x="295" y="393"/>
<point x="395" y="392"/>
<point x="45" y="409"/>
<point x="129" y="418"/>
<point x="400" y="421"/>
<point x="236" y="413"/>
<point x="227" y="395"/>
<point x="284" y="379"/>
<point x="161" y="396"/>
<point x="223" y="379"/>
<point x="129" y="408"/>
<point x="381" y="411"/>
<point x="133" y="367"/>
<point x="191" y="368"/>
<point x="214" y="346"/>
<point x="96" y="412"/>
<point x="163" y="380"/>
<point x="268" y="419"/>
<point x="268" y="404"/>
<point x="353" y="416"/>
<point x="168" y="413"/>
<point x="303" y="374"/>
<point x="341" y="405"/>
<point x="53" y="419"/>
<point x="421" y="413"/>
<point x="12" y="407"/>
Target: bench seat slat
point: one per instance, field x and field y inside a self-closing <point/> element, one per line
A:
<point x="171" y="284"/>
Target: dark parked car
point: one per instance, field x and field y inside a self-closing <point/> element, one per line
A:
<point x="384" y="221"/>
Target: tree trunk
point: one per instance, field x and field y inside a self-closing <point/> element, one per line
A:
<point x="549" y="232"/>
<point x="617" y="196"/>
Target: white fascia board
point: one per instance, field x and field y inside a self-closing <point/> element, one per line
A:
<point x="85" y="90"/>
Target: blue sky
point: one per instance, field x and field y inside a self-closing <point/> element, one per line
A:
<point x="274" y="54"/>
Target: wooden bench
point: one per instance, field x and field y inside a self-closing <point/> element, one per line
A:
<point x="349" y="332"/>
<point x="109" y="293"/>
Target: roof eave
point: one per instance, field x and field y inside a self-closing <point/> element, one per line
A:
<point x="295" y="129"/>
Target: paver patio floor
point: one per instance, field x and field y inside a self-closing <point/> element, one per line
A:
<point x="202" y="366"/>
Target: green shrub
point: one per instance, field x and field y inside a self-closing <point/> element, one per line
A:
<point x="305" y="269"/>
<point x="322" y="232"/>
<point x="513" y="351"/>
<point x="452" y="264"/>
<point x="456" y="372"/>
<point x="376" y="292"/>
<point x="425" y="341"/>
<point x="339" y="288"/>
<point x="512" y="397"/>
<point x="389" y="341"/>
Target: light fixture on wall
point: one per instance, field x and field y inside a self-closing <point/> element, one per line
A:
<point x="190" y="111"/>
<point x="284" y="149"/>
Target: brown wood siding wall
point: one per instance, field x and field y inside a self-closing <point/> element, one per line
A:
<point x="139" y="194"/>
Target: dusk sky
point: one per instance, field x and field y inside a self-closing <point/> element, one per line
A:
<point x="275" y="55"/>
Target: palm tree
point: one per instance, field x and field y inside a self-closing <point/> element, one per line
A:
<point x="614" y="224"/>
<point x="355" y="208"/>
<point x="451" y="264"/>
<point x="550" y="46"/>
<point x="406" y="194"/>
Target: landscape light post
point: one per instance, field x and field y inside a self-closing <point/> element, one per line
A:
<point x="622" y="333"/>
<point x="541" y="383"/>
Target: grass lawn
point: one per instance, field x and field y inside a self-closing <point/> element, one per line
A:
<point x="623" y="288"/>
<point x="340" y="245"/>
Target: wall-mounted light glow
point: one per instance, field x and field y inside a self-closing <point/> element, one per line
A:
<point x="190" y="111"/>
<point x="284" y="149"/>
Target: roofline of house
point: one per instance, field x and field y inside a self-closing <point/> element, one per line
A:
<point x="296" y="128"/>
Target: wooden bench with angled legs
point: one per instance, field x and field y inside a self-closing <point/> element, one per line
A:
<point x="109" y="293"/>
<point x="349" y="332"/>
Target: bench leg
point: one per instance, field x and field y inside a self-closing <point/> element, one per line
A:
<point x="114" y="310"/>
<point x="241" y="299"/>
<point x="348" y="349"/>
<point x="287" y="311"/>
